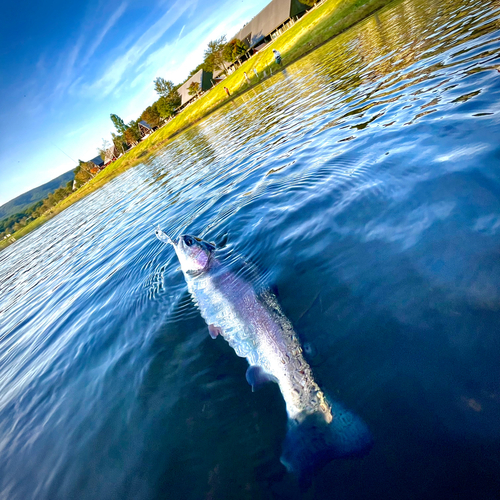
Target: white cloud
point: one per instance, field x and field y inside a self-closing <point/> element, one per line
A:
<point x="114" y="75"/>
<point x="188" y="50"/>
<point x="101" y="33"/>
<point x="180" y="34"/>
<point x="68" y="63"/>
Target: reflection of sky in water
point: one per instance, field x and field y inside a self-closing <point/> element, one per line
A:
<point x="411" y="228"/>
<point x="363" y="183"/>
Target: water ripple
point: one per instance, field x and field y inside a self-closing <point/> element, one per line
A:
<point x="361" y="184"/>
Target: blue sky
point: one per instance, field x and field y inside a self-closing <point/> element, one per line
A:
<point x="66" y="66"/>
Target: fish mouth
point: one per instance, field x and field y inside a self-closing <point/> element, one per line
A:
<point x="164" y="237"/>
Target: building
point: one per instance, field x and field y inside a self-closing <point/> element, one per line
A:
<point x="269" y="22"/>
<point x="218" y="75"/>
<point x="98" y="162"/>
<point x="144" y="128"/>
<point x="202" y="78"/>
<point x="111" y="155"/>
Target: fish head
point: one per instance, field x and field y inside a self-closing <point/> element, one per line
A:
<point x="194" y="254"/>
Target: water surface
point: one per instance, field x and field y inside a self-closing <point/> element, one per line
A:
<point x="363" y="182"/>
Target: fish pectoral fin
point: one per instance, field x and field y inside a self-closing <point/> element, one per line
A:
<point x="214" y="331"/>
<point x="257" y="377"/>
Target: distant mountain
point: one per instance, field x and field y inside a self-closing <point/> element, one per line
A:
<point x="39" y="193"/>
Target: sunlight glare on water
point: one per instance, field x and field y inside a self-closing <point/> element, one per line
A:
<point x="362" y="182"/>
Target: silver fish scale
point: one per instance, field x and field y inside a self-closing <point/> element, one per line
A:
<point x="256" y="328"/>
<point x="217" y="310"/>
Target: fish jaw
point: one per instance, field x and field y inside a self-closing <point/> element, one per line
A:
<point x="194" y="254"/>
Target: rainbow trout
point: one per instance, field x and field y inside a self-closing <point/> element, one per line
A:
<point x="319" y="428"/>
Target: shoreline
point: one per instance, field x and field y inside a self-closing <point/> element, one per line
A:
<point x="318" y="26"/>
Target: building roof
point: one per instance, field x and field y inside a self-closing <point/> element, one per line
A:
<point x="201" y="77"/>
<point x="268" y="19"/>
<point x="97" y="161"/>
<point x="145" y="124"/>
<point x="218" y="73"/>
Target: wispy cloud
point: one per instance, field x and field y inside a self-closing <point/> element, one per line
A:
<point x="67" y="74"/>
<point x="175" y="60"/>
<point x="103" y="32"/>
<point x="68" y="62"/>
<point x="116" y="71"/>
<point x="180" y="34"/>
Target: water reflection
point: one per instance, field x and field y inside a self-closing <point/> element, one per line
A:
<point x="363" y="184"/>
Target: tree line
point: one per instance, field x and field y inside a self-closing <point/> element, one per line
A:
<point x="217" y="54"/>
<point x="9" y="225"/>
<point x="128" y="135"/>
<point x="20" y="219"/>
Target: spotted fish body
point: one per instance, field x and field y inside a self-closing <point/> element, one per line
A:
<point x="255" y="327"/>
<point x="257" y="330"/>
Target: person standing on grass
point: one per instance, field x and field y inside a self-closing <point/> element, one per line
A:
<point x="227" y="91"/>
<point x="277" y="56"/>
<point x="246" y="77"/>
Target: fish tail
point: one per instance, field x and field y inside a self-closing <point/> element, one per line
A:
<point x="313" y="442"/>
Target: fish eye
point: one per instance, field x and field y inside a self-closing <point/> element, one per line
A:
<point x="188" y="240"/>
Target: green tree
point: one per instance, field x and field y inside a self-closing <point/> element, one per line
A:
<point x="164" y="87"/>
<point x="214" y="55"/>
<point x="102" y="150"/>
<point x="194" y="88"/>
<point x="82" y="173"/>
<point x="20" y="218"/>
<point x="132" y="134"/>
<point x="151" y="115"/>
<point x="118" y="123"/>
<point x="166" y="106"/>
<point x="50" y="201"/>
<point x="60" y="194"/>
<point x="169" y="99"/>
<point x="119" y="142"/>
<point x="233" y="50"/>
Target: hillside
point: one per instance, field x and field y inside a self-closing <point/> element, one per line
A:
<point x="30" y="197"/>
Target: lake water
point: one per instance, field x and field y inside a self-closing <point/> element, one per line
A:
<point x="364" y="184"/>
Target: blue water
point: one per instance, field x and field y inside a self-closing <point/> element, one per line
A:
<point x="364" y="184"/>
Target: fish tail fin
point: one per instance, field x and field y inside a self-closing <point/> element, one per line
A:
<point x="313" y="442"/>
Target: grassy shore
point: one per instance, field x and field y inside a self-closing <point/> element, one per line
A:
<point x="320" y="24"/>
